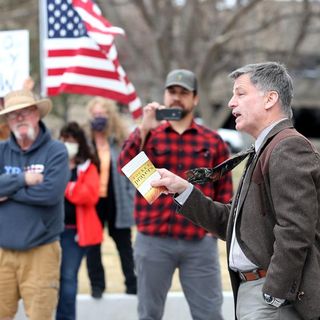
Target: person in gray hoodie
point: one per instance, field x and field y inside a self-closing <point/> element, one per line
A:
<point x="33" y="176"/>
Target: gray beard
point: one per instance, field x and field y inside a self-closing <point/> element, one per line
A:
<point x="31" y="134"/>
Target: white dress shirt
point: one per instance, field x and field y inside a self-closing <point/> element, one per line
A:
<point x="237" y="259"/>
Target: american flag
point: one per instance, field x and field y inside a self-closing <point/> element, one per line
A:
<point x="80" y="55"/>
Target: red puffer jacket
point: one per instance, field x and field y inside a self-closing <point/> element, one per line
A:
<point x="84" y="194"/>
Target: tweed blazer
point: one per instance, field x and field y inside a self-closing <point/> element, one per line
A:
<point x="278" y="225"/>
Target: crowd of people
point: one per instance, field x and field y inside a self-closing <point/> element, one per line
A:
<point x="73" y="188"/>
<point x="58" y="195"/>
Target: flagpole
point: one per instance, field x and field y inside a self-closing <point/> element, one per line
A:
<point x="42" y="32"/>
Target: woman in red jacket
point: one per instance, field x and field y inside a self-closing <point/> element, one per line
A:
<point x="82" y="225"/>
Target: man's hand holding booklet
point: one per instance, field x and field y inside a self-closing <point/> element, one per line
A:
<point x="141" y="172"/>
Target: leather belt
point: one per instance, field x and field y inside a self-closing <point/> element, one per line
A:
<point x="252" y="275"/>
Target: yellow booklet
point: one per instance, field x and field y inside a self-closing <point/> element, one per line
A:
<point x="140" y="172"/>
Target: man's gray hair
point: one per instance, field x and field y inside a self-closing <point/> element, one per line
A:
<point x="270" y="76"/>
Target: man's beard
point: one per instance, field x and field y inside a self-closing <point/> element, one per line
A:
<point x="185" y="113"/>
<point x="31" y="133"/>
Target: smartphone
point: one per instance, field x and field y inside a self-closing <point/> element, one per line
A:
<point x="168" y="114"/>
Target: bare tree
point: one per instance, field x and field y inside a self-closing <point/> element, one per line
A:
<point x="207" y="36"/>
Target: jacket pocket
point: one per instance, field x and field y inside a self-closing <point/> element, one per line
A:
<point x="203" y="157"/>
<point x="21" y="227"/>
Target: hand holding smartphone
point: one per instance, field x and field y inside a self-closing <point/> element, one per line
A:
<point x="169" y="114"/>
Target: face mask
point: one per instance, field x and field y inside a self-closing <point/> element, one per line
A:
<point x="72" y="148"/>
<point x="99" y="124"/>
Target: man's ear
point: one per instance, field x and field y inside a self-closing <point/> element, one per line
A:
<point x="196" y="100"/>
<point x="271" y="98"/>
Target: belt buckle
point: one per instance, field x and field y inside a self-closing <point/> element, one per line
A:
<point x="256" y="273"/>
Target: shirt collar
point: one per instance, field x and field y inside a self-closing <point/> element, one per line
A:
<point x="167" y="127"/>
<point x="264" y="133"/>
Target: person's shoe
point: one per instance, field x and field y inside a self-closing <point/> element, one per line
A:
<point x="96" y="293"/>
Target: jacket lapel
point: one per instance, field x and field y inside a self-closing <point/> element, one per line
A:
<point x="242" y="193"/>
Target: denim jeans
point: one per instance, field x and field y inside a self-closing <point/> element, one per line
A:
<point x="72" y="255"/>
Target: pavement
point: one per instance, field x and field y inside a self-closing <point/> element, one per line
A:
<point x="119" y="306"/>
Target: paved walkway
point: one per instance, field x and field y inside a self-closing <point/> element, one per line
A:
<point x="119" y="306"/>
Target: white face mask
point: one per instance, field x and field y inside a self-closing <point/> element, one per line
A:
<point x="72" y="148"/>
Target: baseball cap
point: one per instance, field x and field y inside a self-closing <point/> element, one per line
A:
<point x="183" y="78"/>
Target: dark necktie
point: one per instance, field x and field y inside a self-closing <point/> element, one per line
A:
<point x="203" y="175"/>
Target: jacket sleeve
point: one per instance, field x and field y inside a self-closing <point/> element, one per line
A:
<point x="86" y="189"/>
<point x="294" y="182"/>
<point x="11" y="183"/>
<point x="206" y="213"/>
<point x="56" y="176"/>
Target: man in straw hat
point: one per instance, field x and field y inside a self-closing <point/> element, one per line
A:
<point x="33" y="176"/>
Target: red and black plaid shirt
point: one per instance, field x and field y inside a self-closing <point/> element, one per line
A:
<point x="196" y="147"/>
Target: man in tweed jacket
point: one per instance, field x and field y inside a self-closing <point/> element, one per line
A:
<point x="272" y="227"/>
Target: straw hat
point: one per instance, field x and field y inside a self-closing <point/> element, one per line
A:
<point x="21" y="99"/>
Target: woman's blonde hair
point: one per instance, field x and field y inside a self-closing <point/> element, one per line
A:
<point x="117" y="128"/>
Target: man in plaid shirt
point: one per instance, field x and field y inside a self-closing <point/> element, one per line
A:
<point x="166" y="241"/>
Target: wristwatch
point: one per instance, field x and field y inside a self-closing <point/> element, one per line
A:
<point x="276" y="302"/>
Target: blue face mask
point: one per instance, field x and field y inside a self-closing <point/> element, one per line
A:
<point x="99" y="124"/>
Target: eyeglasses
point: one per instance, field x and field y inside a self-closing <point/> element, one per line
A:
<point x="23" y="113"/>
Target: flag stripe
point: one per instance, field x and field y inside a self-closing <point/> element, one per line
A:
<point x="78" y="89"/>
<point x="79" y="60"/>
<point x="75" y="78"/>
<point x="96" y="21"/>
<point x="74" y="52"/>
<point x="70" y="88"/>
<point x="70" y="43"/>
<point x="84" y="71"/>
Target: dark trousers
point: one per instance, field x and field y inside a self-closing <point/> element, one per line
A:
<point x="72" y="255"/>
<point x="122" y="239"/>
